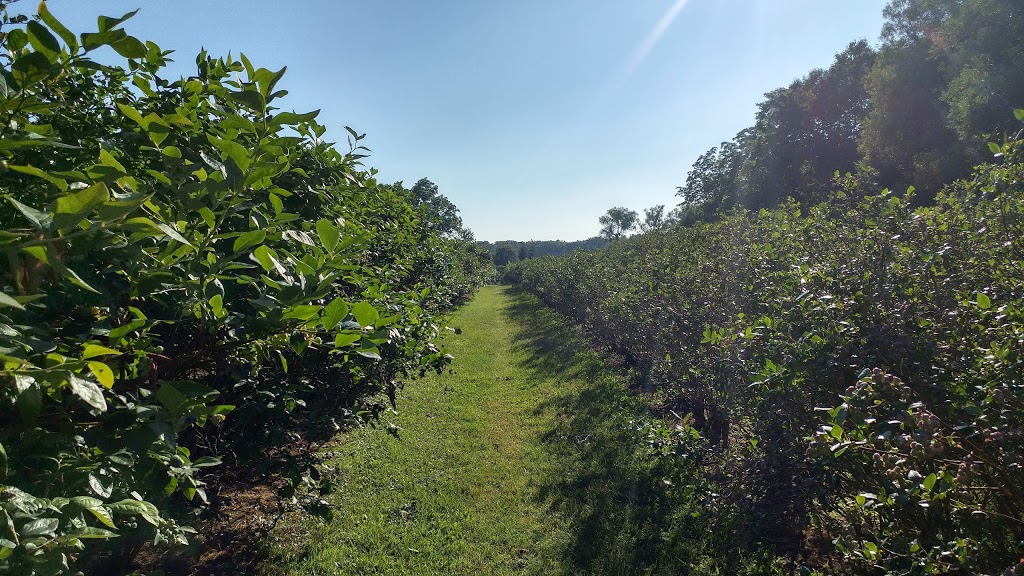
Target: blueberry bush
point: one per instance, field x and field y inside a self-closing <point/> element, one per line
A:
<point x="191" y="277"/>
<point x="853" y="368"/>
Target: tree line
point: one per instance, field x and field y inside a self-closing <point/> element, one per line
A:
<point x="505" y="252"/>
<point x="918" y="110"/>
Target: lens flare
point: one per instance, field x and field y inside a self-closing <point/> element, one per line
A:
<point x="651" y="40"/>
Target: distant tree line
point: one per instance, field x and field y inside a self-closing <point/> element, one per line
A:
<point x="505" y="252"/>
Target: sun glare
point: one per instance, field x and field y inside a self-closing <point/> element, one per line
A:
<point x="652" y="38"/>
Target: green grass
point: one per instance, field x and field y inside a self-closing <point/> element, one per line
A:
<point x="522" y="461"/>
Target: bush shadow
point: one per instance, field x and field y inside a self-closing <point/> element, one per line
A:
<point x="624" y="518"/>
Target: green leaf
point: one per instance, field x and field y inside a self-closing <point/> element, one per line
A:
<point x="42" y="40"/>
<point x="995" y="148"/>
<point x="180" y="396"/>
<point x="94" y="350"/>
<point x="304" y="312"/>
<point x="329" y="234"/>
<point x="334" y="313"/>
<point x="208" y="217"/>
<point x="133" y="114"/>
<point x="248" y="240"/>
<point x="365" y="314"/>
<point x="250" y="99"/>
<point x="130" y="47"/>
<point x="217" y="305"/>
<point x="156" y="128"/>
<point x="91" y="532"/>
<point x="233" y="150"/>
<point x="118" y="208"/>
<point x="31" y="68"/>
<point x="298" y="342"/>
<point x="1019" y="114"/>
<point x="172" y="232"/>
<point x="12" y="144"/>
<point x="236" y="122"/>
<point x="30" y="404"/>
<point x="106" y="23"/>
<point x="129" y="507"/>
<point x="123" y="457"/>
<point x="60" y="183"/>
<point x="267" y="80"/>
<point x="89" y="392"/>
<point x="121" y="331"/>
<point x="93" y="40"/>
<point x="347" y="339"/>
<point x="40" y="220"/>
<point x="929" y="482"/>
<point x="293" y="118"/>
<point x="107" y="159"/>
<point x="155" y="228"/>
<point x="206" y="461"/>
<point x="86" y="502"/>
<point x="6" y="300"/>
<point x="837" y="431"/>
<point x="267" y="258"/>
<point x="40" y="527"/>
<point x="389" y="320"/>
<point x="102" y="514"/>
<point x="71" y="208"/>
<point x="984" y="302"/>
<point x="101" y="485"/>
<point x="171" y="398"/>
<point x="871" y="549"/>
<point x="371" y="353"/>
<point x="264" y="256"/>
<point x="249" y="69"/>
<point x="6" y="90"/>
<point x="103" y="374"/>
<point x="66" y="35"/>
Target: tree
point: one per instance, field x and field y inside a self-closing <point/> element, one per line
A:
<point x="807" y="131"/>
<point x="712" y="181"/>
<point x="440" y="214"/>
<point x="654" y="218"/>
<point x="947" y="76"/>
<point x="618" y="222"/>
<point x="505" y="254"/>
<point x="905" y="136"/>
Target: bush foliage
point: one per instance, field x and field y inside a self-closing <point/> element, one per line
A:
<point x="190" y="273"/>
<point x="853" y="369"/>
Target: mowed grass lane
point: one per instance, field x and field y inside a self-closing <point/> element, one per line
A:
<point x="520" y="461"/>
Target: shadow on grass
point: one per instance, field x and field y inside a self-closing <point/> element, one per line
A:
<point x="625" y="518"/>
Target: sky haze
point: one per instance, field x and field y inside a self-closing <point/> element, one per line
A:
<point x="532" y="117"/>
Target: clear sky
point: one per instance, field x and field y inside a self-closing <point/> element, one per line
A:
<point x="532" y="116"/>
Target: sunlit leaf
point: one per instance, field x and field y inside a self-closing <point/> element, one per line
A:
<point x="89" y="392"/>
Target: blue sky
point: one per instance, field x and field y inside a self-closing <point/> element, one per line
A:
<point x="533" y="117"/>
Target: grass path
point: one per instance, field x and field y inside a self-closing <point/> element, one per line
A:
<point x="512" y="464"/>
